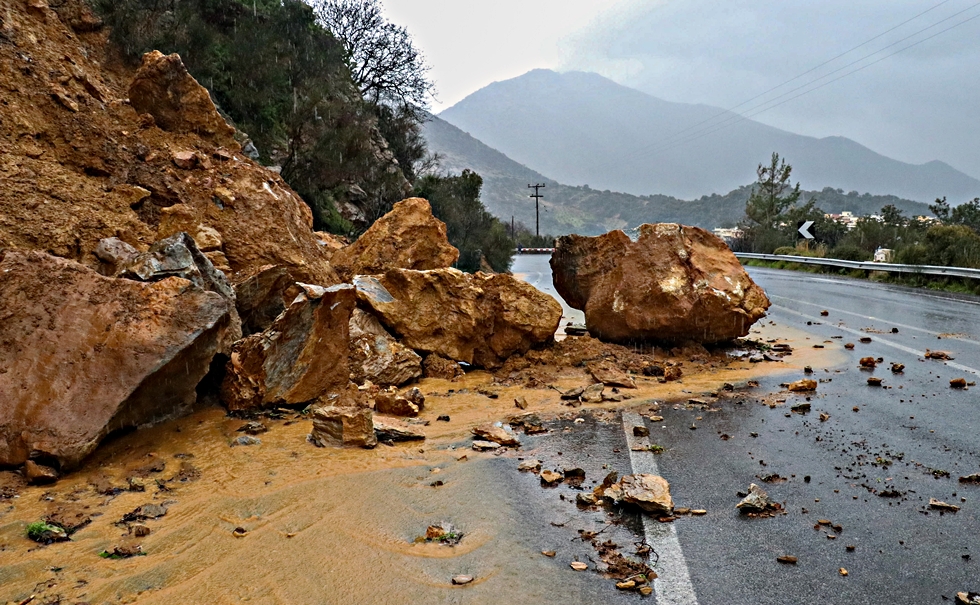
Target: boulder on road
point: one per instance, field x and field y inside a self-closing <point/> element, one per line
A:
<point x="476" y="319"/>
<point x="82" y="355"/>
<point x="302" y="357"/>
<point x="408" y="237"/>
<point x="674" y="283"/>
<point x="498" y="433"/>
<point x="376" y="356"/>
<point x="396" y="429"/>
<point x="340" y="426"/>
<point x="648" y="492"/>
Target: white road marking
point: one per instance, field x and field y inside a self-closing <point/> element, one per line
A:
<point x="673" y="586"/>
<point x="872" y="318"/>
<point x="894" y="345"/>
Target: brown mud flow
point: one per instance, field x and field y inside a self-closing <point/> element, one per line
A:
<point x="282" y="521"/>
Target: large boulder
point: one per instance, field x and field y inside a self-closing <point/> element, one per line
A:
<point x="164" y="89"/>
<point x="408" y="237"/>
<point x="674" y="283"/>
<point x="82" y="355"/>
<point x="477" y="319"/>
<point x="376" y="356"/>
<point x="261" y="297"/>
<point x="300" y="358"/>
<point x="343" y="426"/>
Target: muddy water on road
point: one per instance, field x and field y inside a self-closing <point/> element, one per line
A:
<point x="323" y="525"/>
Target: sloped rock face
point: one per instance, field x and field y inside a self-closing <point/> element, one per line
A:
<point x="477" y="319"/>
<point x="164" y="89"/>
<point x="408" y="237"/>
<point x="299" y="359"/>
<point x="82" y="355"/>
<point x="675" y="283"/>
<point x="376" y="356"/>
<point x="263" y="296"/>
<point x="81" y="164"/>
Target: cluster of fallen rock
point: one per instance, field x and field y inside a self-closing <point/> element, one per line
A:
<point x="148" y="263"/>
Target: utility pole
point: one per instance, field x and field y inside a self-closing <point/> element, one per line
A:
<point x="537" y="214"/>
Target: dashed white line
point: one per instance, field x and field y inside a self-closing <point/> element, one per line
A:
<point x="673" y="584"/>
<point x="888" y="343"/>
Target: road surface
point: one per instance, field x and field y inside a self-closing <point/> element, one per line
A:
<point x="910" y="440"/>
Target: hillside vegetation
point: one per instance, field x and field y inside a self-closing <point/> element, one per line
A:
<point x="569" y="209"/>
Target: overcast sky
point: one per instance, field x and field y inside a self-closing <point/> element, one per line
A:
<point x="919" y="105"/>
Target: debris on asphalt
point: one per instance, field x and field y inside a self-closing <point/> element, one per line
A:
<point x="898" y="368"/>
<point x="974" y="478"/>
<point x="940" y="355"/>
<point x="529" y="465"/>
<point x="548" y="553"/>
<point x="551" y="477"/>
<point x="578" y="566"/>
<point x="967" y="598"/>
<point x="787" y="559"/>
<point x="758" y="503"/>
<point x="958" y="383"/>
<point x="874" y="381"/>
<point x="498" y="433"/>
<point x="395" y="429"/>
<point x="943" y="506"/>
<point x="868" y="362"/>
<point x="462" y="580"/>
<point x="842" y="571"/>
<point x="802" y="386"/>
<point x="253" y="427"/>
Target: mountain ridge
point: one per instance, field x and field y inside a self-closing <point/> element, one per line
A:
<point x="587" y="211"/>
<point x="557" y="124"/>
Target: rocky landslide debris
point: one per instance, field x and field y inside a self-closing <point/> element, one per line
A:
<point x="674" y="283"/>
<point x="408" y="237"/>
<point x="95" y="354"/>
<point x="375" y="355"/>
<point x="476" y="319"/>
<point x="300" y="358"/>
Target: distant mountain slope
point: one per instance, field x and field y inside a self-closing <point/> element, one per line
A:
<point x="567" y="209"/>
<point x="582" y="128"/>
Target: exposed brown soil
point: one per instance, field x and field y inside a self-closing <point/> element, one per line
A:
<point x="315" y="519"/>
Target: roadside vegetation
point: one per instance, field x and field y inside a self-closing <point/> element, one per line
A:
<point x="328" y="90"/>
<point x="773" y="214"/>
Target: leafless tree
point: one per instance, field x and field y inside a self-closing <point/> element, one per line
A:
<point x="383" y="61"/>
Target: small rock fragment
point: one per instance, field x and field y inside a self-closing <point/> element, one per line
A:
<point x="462" y="580"/>
<point x="641" y="431"/>
<point x="868" y="362"/>
<point x="396" y="429"/>
<point x="842" y="571"/>
<point x="958" y="383"/>
<point x="551" y="477"/>
<point x="592" y="393"/>
<point x="804" y="385"/>
<point x="39" y="474"/>
<point x="529" y="465"/>
<point x="246" y="440"/>
<point x="485" y="446"/>
<point x="756" y="501"/>
<point x="974" y="478"/>
<point x="849" y="346"/>
<point x="627" y="585"/>
<point x="898" y="368"/>
<point x="548" y="553"/>
<point x="940" y="505"/>
<point x="874" y="381"/>
<point x="578" y="566"/>
<point x="252" y="428"/>
<point x="498" y="433"/>
<point x="787" y="559"/>
<point x="521" y="402"/>
<point x="968" y="598"/>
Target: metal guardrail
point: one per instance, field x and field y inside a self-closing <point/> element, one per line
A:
<point x="867" y="266"/>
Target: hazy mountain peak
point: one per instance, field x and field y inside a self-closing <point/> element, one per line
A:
<point x="582" y="128"/>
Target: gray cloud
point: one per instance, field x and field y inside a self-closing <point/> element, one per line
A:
<point x="917" y="106"/>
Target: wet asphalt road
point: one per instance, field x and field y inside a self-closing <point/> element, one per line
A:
<point x="904" y="439"/>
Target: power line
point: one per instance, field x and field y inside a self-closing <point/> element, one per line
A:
<point x="738" y="118"/>
<point x="811" y="70"/>
<point x="668" y="142"/>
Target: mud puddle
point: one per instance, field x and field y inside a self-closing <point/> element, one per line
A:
<point x="285" y="522"/>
